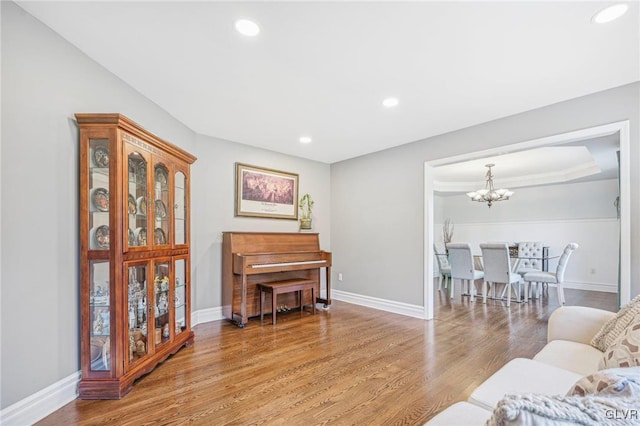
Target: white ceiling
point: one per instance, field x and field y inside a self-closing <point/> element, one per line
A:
<point x="322" y="69"/>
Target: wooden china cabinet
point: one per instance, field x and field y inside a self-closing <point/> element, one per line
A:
<point x="135" y="264"/>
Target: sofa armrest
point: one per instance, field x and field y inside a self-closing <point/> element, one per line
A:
<point x="576" y="323"/>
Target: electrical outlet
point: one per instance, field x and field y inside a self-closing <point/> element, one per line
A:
<point x="340" y="276"/>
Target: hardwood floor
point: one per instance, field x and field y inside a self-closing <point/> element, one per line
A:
<point x="349" y="365"/>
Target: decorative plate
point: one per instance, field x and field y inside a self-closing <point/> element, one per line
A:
<point x="140" y="235"/>
<point x="161" y="209"/>
<point x="141" y="202"/>
<point x="132" y="208"/>
<point x="161" y="176"/>
<point x="101" y="157"/>
<point x="158" y="237"/>
<point x="100" y="198"/>
<point x="102" y="236"/>
<point x="132" y="238"/>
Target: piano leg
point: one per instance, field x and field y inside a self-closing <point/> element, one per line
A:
<point x="243" y="302"/>
<point x="326" y="302"/>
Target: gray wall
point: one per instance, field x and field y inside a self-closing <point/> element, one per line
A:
<point x="377" y="200"/>
<point x="45" y="81"/>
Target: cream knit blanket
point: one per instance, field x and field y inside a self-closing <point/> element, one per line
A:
<point x="590" y="410"/>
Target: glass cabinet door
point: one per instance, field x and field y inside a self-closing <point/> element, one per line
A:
<point x="137" y="200"/>
<point x="100" y="313"/>
<point x="161" y="206"/>
<point x="180" y="213"/>
<point x="137" y="311"/>
<point x="161" y="307"/>
<point x="180" y="296"/>
<point x="98" y="194"/>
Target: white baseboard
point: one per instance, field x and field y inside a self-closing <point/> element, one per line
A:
<point x="42" y="403"/>
<point x="415" y="311"/>
<point x="206" y="315"/>
<point x="607" y="288"/>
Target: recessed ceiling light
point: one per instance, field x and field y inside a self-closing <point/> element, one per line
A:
<point x="247" y="27"/>
<point x="610" y="13"/>
<point x="305" y="139"/>
<point x="390" y="102"/>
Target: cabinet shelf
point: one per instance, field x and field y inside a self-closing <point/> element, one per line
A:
<point x="123" y="340"/>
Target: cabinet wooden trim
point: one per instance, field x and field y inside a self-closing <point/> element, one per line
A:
<point x="124" y="123"/>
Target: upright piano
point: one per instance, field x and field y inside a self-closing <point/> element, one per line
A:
<point x="249" y="258"/>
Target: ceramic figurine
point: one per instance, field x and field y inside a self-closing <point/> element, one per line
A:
<point x="98" y="323"/>
<point x="140" y="348"/>
<point x="163" y="303"/>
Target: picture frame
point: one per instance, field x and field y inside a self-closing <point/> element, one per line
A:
<point x="267" y="193"/>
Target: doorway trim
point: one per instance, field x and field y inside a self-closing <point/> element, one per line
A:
<point x="620" y="127"/>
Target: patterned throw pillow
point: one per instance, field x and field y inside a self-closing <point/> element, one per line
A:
<point x="614" y="381"/>
<point x="613" y="328"/>
<point x="625" y="351"/>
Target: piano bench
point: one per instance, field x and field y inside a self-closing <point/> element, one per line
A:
<point x="288" y="286"/>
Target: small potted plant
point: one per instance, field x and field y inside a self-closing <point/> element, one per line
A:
<point x="305" y="205"/>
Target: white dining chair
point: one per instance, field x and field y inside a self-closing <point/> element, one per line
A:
<point x="498" y="270"/>
<point x="462" y="268"/>
<point x="444" y="267"/>
<point x="542" y="277"/>
<point x="530" y="257"/>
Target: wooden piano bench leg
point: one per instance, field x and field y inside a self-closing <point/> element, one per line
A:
<point x="261" y="304"/>
<point x="313" y="300"/>
<point x="274" y="302"/>
<point x="300" y="302"/>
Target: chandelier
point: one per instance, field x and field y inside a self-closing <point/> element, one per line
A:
<point x="489" y="194"/>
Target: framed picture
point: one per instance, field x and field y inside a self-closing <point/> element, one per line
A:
<point x="264" y="192"/>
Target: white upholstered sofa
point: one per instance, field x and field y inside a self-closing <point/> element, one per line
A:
<point x="566" y="359"/>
